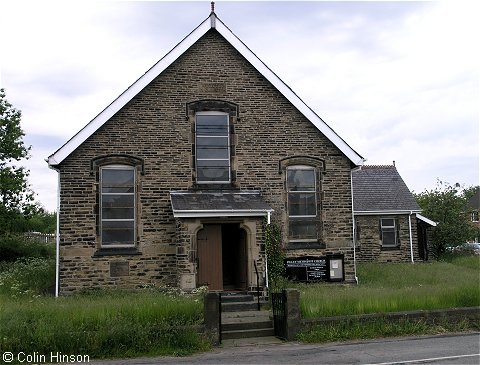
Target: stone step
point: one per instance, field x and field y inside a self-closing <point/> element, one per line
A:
<point x="252" y="341"/>
<point x="263" y="332"/>
<point x="236" y="297"/>
<point x="243" y="326"/>
<point x="239" y="306"/>
<point x="247" y="316"/>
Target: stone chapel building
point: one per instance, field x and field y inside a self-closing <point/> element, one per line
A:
<point x="172" y="184"/>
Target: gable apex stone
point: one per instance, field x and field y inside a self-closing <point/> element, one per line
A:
<point x="212" y="22"/>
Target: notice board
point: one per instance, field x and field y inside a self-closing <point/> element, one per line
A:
<point x="307" y="268"/>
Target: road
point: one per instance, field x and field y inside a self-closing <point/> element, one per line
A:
<point x="444" y="349"/>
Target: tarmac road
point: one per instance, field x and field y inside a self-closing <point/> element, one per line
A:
<point x="444" y="349"/>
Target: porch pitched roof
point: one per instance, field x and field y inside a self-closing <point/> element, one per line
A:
<point x="188" y="204"/>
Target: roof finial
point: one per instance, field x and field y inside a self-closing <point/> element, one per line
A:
<point x="212" y="4"/>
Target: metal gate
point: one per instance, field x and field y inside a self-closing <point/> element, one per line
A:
<point x="279" y="314"/>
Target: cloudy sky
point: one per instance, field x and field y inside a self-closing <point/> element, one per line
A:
<point x="397" y="80"/>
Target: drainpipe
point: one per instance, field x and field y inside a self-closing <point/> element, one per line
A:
<point x="410" y="233"/>
<point x="266" y="261"/>
<point x="57" y="238"/>
<point x="353" y="228"/>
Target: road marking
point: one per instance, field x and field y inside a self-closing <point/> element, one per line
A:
<point x="425" y="360"/>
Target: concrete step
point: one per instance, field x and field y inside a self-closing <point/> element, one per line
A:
<point x="261" y="332"/>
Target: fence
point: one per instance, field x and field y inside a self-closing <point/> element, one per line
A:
<point x="41" y="237"/>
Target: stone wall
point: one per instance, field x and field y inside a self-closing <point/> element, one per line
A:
<point x="155" y="130"/>
<point x="369" y="243"/>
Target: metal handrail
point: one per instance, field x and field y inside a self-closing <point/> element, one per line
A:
<point x="258" y="286"/>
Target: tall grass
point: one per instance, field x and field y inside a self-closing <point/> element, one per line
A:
<point x="397" y="287"/>
<point x="357" y="329"/>
<point x="115" y="324"/>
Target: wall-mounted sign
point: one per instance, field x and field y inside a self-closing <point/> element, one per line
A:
<point x="311" y="268"/>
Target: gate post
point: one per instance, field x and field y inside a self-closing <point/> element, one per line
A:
<point x="211" y="314"/>
<point x="292" y="313"/>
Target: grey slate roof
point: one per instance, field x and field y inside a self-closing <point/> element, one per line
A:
<point x="218" y="203"/>
<point x="381" y="188"/>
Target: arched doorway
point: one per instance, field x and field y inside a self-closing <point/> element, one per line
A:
<point x="222" y="257"/>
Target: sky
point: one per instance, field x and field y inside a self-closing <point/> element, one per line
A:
<point x="398" y="81"/>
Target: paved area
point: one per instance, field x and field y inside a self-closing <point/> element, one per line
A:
<point x="447" y="349"/>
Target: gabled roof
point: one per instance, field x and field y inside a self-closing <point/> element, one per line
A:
<point x="381" y="190"/>
<point x="211" y="22"/>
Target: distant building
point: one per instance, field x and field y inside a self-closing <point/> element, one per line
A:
<point x="388" y="223"/>
<point x="474" y="208"/>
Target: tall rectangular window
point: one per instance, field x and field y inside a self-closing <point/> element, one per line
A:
<point x="389" y="230"/>
<point x="212" y="147"/>
<point x="302" y="204"/>
<point x="117" y="205"/>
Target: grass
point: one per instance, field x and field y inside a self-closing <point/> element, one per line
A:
<point x="383" y="288"/>
<point x="99" y="324"/>
<point x="103" y="325"/>
<point x="397" y="287"/>
<point x="119" y="324"/>
<point x="378" y="328"/>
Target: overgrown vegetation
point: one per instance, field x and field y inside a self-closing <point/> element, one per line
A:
<point x="397" y="287"/>
<point x="105" y="324"/>
<point x="384" y="288"/>
<point x="98" y="323"/>
<point x="275" y="257"/>
<point x="448" y="206"/>
<point x="356" y="329"/>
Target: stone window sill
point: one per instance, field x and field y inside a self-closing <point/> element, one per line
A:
<point x="304" y="245"/>
<point x="392" y="248"/>
<point x="116" y="251"/>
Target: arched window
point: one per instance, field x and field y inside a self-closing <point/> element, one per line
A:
<point x="302" y="203"/>
<point x="212" y="143"/>
<point x="117" y="205"/>
<point x="303" y="176"/>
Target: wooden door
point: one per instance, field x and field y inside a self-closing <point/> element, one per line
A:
<point x="209" y="253"/>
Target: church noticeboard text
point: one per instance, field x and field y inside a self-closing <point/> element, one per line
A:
<point x="306" y="268"/>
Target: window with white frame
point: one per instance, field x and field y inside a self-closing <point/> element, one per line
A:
<point x="389" y="231"/>
<point x="212" y="147"/>
<point x="474" y="216"/>
<point x="302" y="204"/>
<point x="117" y="205"/>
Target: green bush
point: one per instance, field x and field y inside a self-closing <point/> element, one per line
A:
<point x="28" y="276"/>
<point x="13" y="248"/>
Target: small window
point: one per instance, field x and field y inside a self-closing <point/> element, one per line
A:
<point x="212" y="147"/>
<point x="302" y="203"/>
<point x="117" y="206"/>
<point x="474" y="216"/>
<point x="389" y="231"/>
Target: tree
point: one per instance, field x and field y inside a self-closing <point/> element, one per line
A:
<point x="16" y="196"/>
<point x="447" y="205"/>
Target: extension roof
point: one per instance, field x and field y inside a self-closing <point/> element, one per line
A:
<point x="212" y="22"/>
<point x="381" y="190"/>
